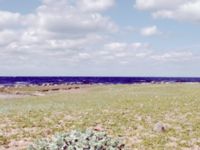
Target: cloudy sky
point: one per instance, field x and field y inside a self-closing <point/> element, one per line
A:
<point x="100" y="37"/>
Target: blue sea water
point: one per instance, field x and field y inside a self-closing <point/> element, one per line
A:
<point x="92" y="80"/>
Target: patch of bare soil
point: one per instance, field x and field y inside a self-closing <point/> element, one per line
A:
<point x="16" y="145"/>
<point x="21" y="91"/>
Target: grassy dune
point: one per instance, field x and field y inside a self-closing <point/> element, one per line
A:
<point x="134" y="112"/>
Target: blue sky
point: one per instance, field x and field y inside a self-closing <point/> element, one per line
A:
<point x="100" y="38"/>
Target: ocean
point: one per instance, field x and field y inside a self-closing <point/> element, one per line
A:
<point x="93" y="80"/>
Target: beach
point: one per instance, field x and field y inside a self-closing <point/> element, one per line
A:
<point x="144" y="116"/>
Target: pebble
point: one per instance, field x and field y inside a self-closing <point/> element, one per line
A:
<point x="159" y="127"/>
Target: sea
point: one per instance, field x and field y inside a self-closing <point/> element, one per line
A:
<point x="94" y="80"/>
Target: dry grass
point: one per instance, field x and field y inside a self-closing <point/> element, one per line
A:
<point x="159" y="116"/>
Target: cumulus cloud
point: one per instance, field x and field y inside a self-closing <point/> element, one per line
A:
<point x="7" y="36"/>
<point x="130" y="52"/>
<point x="9" y="19"/>
<point x="55" y="25"/>
<point x="65" y="33"/>
<point x="122" y="46"/>
<point x="95" y="5"/>
<point x="173" y="56"/>
<point x="157" y="4"/>
<point x="150" y="31"/>
<point x="69" y="19"/>
<point x="126" y="52"/>
<point x="58" y="34"/>
<point x="188" y="10"/>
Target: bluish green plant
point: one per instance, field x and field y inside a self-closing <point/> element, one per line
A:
<point x="75" y="140"/>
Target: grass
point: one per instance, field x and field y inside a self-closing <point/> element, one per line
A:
<point x="128" y="111"/>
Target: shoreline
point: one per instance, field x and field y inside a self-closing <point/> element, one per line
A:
<point x="47" y="81"/>
<point x="27" y="90"/>
<point x="19" y="91"/>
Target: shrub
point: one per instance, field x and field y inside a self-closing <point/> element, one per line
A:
<point x="75" y="140"/>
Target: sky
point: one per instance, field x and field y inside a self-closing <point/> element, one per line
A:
<point x="100" y="38"/>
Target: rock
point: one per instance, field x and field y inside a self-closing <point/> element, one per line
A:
<point x="99" y="128"/>
<point x="159" y="127"/>
<point x="2" y="89"/>
<point x="38" y="94"/>
<point x="6" y="146"/>
<point x="55" y="89"/>
<point x="76" y="87"/>
<point x="45" y="90"/>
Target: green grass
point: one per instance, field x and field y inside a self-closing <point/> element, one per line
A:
<point x="128" y="111"/>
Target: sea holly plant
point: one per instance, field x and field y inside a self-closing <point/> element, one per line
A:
<point x="75" y="140"/>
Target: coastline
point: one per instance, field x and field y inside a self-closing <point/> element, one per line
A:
<point x="26" y="90"/>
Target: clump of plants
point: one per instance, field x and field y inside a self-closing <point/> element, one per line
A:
<point x="75" y="140"/>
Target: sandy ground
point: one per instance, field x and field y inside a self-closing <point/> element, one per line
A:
<point x="9" y="96"/>
<point x="15" y="92"/>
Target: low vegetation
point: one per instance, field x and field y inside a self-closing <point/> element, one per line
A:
<point x="153" y="116"/>
<point x="74" y="140"/>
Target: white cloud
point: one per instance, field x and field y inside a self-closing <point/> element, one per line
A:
<point x="68" y="18"/>
<point x="173" y="56"/>
<point x="10" y="20"/>
<point x="84" y="55"/>
<point x="157" y="4"/>
<point x="115" y="46"/>
<point x="55" y="26"/>
<point x="65" y="33"/>
<point x="188" y="10"/>
<point x="150" y="31"/>
<point x="130" y="52"/>
<point x="7" y="36"/>
<point x="95" y="5"/>
<point x="59" y="34"/>
<point x="124" y="52"/>
<point x="143" y="54"/>
<point x="122" y="46"/>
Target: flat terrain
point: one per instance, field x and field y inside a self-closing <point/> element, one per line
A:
<point x="150" y="116"/>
